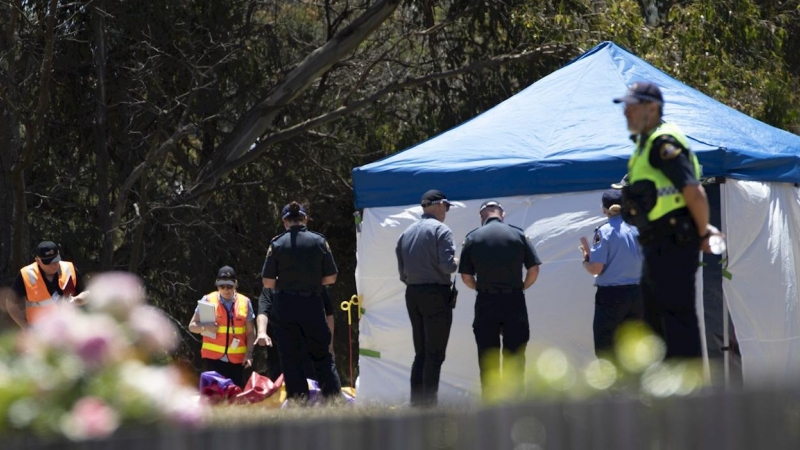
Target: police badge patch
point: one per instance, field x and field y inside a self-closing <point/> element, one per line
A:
<point x="269" y="251"/>
<point x="669" y="151"/>
<point x="596" y="238"/>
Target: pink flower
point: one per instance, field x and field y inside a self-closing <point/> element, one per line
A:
<point x="90" y="418"/>
<point x="153" y="331"/>
<point x="115" y="293"/>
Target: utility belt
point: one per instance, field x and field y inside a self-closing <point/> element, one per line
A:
<point x="679" y="226"/>
<point x="297" y="293"/>
<point x="499" y="291"/>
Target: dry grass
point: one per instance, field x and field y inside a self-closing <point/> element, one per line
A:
<point x="237" y="415"/>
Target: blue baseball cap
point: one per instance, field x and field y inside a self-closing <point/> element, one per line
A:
<point x="298" y="212"/>
<point x="612" y="197"/>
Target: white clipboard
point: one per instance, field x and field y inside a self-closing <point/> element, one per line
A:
<point x="207" y="314"/>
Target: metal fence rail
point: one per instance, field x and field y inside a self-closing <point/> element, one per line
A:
<point x="714" y="420"/>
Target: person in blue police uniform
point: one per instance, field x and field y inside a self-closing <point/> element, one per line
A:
<point x="299" y="263"/>
<point x="495" y="254"/>
<point x="425" y="259"/>
<point x="665" y="201"/>
<point x="615" y="259"/>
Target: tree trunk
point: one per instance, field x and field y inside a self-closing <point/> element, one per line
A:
<point x="101" y="140"/>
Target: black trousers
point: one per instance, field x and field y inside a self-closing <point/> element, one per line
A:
<point x="506" y="315"/>
<point x="227" y="369"/>
<point x="614" y="305"/>
<point x="300" y="321"/>
<point x="274" y="369"/>
<point x="431" y="317"/>
<point x="668" y="289"/>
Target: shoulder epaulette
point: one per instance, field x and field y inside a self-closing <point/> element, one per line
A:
<point x="517" y="228"/>
<point x="277" y="236"/>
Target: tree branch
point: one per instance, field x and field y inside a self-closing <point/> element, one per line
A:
<point x="205" y="186"/>
<point x="256" y="121"/>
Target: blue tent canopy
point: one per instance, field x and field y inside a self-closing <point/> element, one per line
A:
<point x="564" y="134"/>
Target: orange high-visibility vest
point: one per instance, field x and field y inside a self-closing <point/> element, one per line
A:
<point x="38" y="299"/>
<point x="216" y="348"/>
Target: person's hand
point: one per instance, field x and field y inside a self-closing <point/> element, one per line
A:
<point x="584" y="248"/>
<point x="248" y="360"/>
<point x="263" y="340"/>
<point x="209" y="327"/>
<point x="78" y="300"/>
<point x="711" y="230"/>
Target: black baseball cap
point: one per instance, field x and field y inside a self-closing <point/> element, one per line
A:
<point x="434" y="197"/>
<point x="286" y="212"/>
<point x="48" y="252"/>
<point x="489" y="204"/>
<point x="226" y="275"/>
<point x="641" y="92"/>
<point x="612" y="197"/>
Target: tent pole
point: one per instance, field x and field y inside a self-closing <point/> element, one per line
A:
<point x="726" y="343"/>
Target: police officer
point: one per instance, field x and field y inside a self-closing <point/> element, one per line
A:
<point x="425" y="259"/>
<point x="266" y="333"/>
<point x="667" y="203"/>
<point x="495" y="253"/>
<point x="298" y="264"/>
<point x="616" y="261"/>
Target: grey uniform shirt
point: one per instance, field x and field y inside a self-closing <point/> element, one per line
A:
<point x="426" y="253"/>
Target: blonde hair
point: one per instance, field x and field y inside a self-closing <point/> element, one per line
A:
<point x="614" y="210"/>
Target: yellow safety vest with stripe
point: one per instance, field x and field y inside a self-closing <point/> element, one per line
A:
<point x="669" y="198"/>
<point x="38" y="300"/>
<point x="217" y="347"/>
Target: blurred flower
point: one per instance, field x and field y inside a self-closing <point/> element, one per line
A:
<point x="71" y="354"/>
<point x="154" y="333"/>
<point x="115" y="293"/>
<point x="96" y="338"/>
<point x="90" y="418"/>
<point x="161" y="387"/>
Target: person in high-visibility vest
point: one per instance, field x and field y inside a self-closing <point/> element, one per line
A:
<point x="41" y="286"/>
<point x="665" y="200"/>
<point x="228" y="342"/>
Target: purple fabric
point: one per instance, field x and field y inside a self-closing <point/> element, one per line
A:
<point x="212" y="383"/>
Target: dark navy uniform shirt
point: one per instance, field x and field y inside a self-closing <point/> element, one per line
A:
<point x="495" y="253"/>
<point x="616" y="245"/>
<point x="298" y="259"/>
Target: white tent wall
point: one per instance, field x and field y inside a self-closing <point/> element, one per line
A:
<point x="762" y="223"/>
<point x="560" y="304"/>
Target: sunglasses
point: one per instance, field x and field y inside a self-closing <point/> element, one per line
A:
<point x="436" y="202"/>
<point x="224" y="287"/>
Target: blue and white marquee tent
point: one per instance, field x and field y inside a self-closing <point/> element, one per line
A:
<point x="545" y="154"/>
